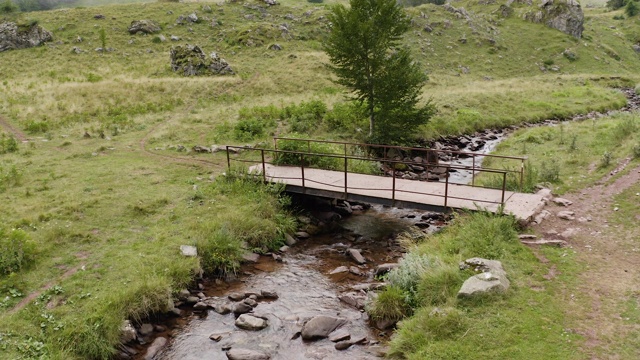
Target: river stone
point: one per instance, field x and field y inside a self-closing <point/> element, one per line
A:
<point x="343" y="345"/>
<point x="155" y="347"/>
<point x="493" y="277"/>
<point x="321" y="326"/>
<point x="188" y="250"/>
<point x="339" y="270"/>
<point x="221" y="309"/>
<point x="236" y="296"/>
<point x="250" y="322"/>
<point x="216" y="337"/>
<point x="127" y="332"/>
<point x="357" y="300"/>
<point x="251" y="302"/>
<point x="289" y="240"/>
<point x="200" y="306"/>
<point x="339" y="335"/>
<point x="241" y="308"/>
<point x="246" y="354"/>
<point x="192" y="300"/>
<point x="251" y="257"/>
<point x="183" y="294"/>
<point x="356" y="256"/>
<point x="146" y="329"/>
<point x="269" y="294"/>
<point x="385" y="268"/>
<point x="302" y="235"/>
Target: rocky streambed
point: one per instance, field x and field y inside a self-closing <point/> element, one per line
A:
<point x="305" y="301"/>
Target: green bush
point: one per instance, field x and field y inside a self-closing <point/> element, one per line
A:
<point x="306" y="116"/>
<point x="35" y="127"/>
<point x="635" y="151"/>
<point x="269" y="112"/>
<point x="550" y="172"/>
<point x="10" y="176"/>
<point x="615" y="4"/>
<point x="347" y="116"/>
<point x="632" y="8"/>
<point x="322" y="162"/>
<point x="8" y="144"/>
<point x="220" y="252"/>
<point x="407" y="276"/>
<point x="16" y="251"/>
<point x="249" y="129"/>
<point x="8" y="7"/>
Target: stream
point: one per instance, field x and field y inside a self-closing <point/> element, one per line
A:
<point x="314" y="277"/>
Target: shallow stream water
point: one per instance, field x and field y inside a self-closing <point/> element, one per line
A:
<point x="305" y="289"/>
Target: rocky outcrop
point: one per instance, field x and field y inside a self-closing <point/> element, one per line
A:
<point x="190" y="60"/>
<point x="563" y="15"/>
<point x="492" y="277"/>
<point x="14" y="37"/>
<point x="143" y="26"/>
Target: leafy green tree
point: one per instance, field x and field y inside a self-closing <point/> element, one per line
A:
<point x="8" y="7"/>
<point x="366" y="56"/>
<point x="632" y="8"/>
<point x="615" y="4"/>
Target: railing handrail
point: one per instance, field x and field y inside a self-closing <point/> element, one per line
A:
<point x="347" y="157"/>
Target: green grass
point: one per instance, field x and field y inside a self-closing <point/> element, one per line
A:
<point x="573" y="155"/>
<point x="500" y="326"/>
<point x="118" y="212"/>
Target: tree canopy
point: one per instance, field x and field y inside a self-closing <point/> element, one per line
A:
<point x="367" y="57"/>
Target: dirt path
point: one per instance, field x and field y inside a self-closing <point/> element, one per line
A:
<point x="4" y="124"/>
<point x="610" y="256"/>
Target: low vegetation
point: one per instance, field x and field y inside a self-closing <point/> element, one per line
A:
<point x="99" y="200"/>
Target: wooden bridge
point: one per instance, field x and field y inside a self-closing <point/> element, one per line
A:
<point x="297" y="169"/>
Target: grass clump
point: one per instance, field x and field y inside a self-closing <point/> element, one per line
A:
<point x="390" y="304"/>
<point x="16" y="251"/>
<point x="10" y="176"/>
<point x="8" y="144"/>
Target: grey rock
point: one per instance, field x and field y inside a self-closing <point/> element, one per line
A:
<point x="492" y="278"/>
<point x="566" y="215"/>
<point x="13" y="37"/>
<point x="302" y="235"/>
<point x="192" y="300"/>
<point x="383" y="324"/>
<point x="251" y="302"/>
<point x="357" y="300"/>
<point x="276" y="47"/>
<point x="127" y="332"/>
<point x="155" y="347"/>
<point x="241" y="308"/>
<point x="146" y="329"/>
<point x="339" y="270"/>
<point x="385" y="268"/>
<point x="251" y="257"/>
<point x="250" y="322"/>
<point x="200" y="306"/>
<point x="562" y="202"/>
<point x="541" y="216"/>
<point x="221" y="309"/>
<point x="270" y="2"/>
<point x="289" y="240"/>
<point x="188" y="250"/>
<point x="356" y="256"/>
<point x="246" y="354"/>
<point x="269" y="294"/>
<point x="562" y="15"/>
<point x="216" y="337"/>
<point x="162" y="38"/>
<point x="143" y="26"/>
<point x="321" y="326"/>
<point x="545" y="193"/>
<point x="192" y="18"/>
<point x="236" y="296"/>
<point x="174" y="38"/>
<point x="343" y="345"/>
<point x="558" y="243"/>
<point x="183" y="294"/>
<point x="339" y="335"/>
<point x="190" y="60"/>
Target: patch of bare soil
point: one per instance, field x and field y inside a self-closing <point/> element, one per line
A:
<point x="611" y="262"/>
<point x="4" y="124"/>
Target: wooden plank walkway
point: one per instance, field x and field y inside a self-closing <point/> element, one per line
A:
<point x="408" y="193"/>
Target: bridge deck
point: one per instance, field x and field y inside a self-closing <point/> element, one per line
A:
<point x="408" y="193"/>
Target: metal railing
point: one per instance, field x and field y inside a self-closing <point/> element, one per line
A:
<point x="429" y="154"/>
<point x="271" y="156"/>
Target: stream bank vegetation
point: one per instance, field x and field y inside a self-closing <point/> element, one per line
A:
<point x="107" y="212"/>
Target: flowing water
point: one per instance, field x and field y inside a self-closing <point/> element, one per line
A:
<point x="305" y="289"/>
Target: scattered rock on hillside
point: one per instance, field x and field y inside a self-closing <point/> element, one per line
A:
<point x="190" y="60"/>
<point x="562" y="202"/>
<point x="567" y="215"/>
<point x="563" y="15"/>
<point x="492" y="277"/>
<point x="127" y="332"/>
<point x="143" y="26"/>
<point x="14" y="37"/>
<point x="270" y="2"/>
<point x="188" y="250"/>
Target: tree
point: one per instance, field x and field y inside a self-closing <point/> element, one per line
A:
<point x="366" y="56"/>
<point x="631" y="9"/>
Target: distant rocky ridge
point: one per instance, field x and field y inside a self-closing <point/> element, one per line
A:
<point x="563" y="15"/>
<point x="14" y="37"/>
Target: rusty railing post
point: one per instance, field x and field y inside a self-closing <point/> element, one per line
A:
<point x="504" y="186"/>
<point x="473" y="171"/>
<point x="228" y="160"/>
<point x="446" y="190"/>
<point x="275" y="143"/>
<point x="345" y="176"/>
<point x="393" y="187"/>
<point x="308" y="145"/>
<point x="302" y="169"/>
<point x="264" y="171"/>
<point x="521" y="174"/>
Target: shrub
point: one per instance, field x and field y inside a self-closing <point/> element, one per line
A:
<point x="323" y="162"/>
<point x="615" y="4"/>
<point x="635" y="151"/>
<point x="249" y="129"/>
<point x="606" y="159"/>
<point x="348" y="116"/>
<point x="407" y="276"/>
<point x="220" y="252"/>
<point x="10" y="176"/>
<point x="8" y="7"/>
<point x="632" y="8"/>
<point x="549" y="172"/>
<point x="8" y="144"/>
<point x="306" y="116"/>
<point x="35" y="127"/>
<point x="16" y="251"/>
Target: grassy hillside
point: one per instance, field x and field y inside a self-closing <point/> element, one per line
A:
<point x="103" y="216"/>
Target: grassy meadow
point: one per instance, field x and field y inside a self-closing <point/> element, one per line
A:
<point x="96" y="221"/>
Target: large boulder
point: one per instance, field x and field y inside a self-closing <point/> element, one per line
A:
<point x="143" y="26"/>
<point x="190" y="60"/>
<point x="563" y="15"/>
<point x="492" y="277"/>
<point x="321" y="326"/>
<point x="14" y="37"/>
